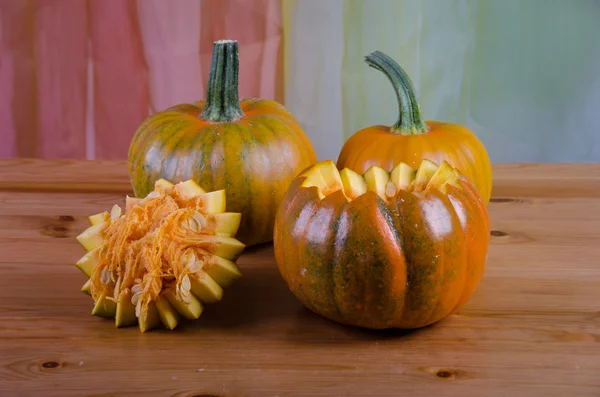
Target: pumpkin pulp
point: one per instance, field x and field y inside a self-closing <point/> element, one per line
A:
<point x="169" y="253"/>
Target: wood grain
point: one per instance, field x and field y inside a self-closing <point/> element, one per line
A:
<point x="532" y="327"/>
<point x="70" y="176"/>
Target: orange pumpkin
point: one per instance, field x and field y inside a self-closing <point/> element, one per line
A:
<point x="411" y="139"/>
<point x="381" y="250"/>
<point x="252" y="149"/>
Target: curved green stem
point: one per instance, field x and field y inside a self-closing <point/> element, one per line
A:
<point x="409" y="121"/>
<point x="222" y="101"/>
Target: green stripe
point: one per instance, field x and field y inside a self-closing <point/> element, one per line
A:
<point x="203" y="147"/>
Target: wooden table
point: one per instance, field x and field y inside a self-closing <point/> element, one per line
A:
<point x="532" y="327"/>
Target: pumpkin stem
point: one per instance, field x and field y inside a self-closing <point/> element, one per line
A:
<point x="410" y="121"/>
<point x="222" y="101"/>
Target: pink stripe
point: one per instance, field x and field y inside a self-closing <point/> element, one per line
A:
<point x="8" y="132"/>
<point x="171" y="38"/>
<point x="17" y="80"/>
<point x="61" y="51"/>
<point x="44" y="64"/>
<point x="256" y="25"/>
<point x="272" y="65"/>
<point x="121" y="98"/>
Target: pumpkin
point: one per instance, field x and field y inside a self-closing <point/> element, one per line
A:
<point x="251" y="148"/>
<point x="382" y="250"/>
<point x="162" y="258"/>
<point x="411" y="140"/>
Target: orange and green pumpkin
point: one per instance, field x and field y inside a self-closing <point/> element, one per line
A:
<point x="382" y="250"/>
<point x="411" y="139"/>
<point x="252" y="148"/>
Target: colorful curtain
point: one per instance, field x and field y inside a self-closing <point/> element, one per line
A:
<point x="78" y="76"/>
<point x="521" y="74"/>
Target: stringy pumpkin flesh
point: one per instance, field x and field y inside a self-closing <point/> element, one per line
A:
<point x="159" y="247"/>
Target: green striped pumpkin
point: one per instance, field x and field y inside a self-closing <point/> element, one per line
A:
<point x="405" y="260"/>
<point x="252" y="148"/>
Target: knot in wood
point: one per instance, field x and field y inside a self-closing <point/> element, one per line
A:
<point x="51" y="364"/>
<point x="56" y="231"/>
<point x="445" y="374"/>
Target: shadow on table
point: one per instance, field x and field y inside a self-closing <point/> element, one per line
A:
<point x="259" y="298"/>
<point x="311" y="328"/>
<point x="261" y="305"/>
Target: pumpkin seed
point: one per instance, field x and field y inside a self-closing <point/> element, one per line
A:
<point x="115" y="212"/>
<point x="390" y="189"/>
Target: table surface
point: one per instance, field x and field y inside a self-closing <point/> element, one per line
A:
<point x="531" y="328"/>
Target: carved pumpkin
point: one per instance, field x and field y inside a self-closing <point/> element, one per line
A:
<point x="383" y="250"/>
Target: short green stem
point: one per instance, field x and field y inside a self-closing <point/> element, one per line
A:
<point x="222" y="100"/>
<point x="409" y="121"/>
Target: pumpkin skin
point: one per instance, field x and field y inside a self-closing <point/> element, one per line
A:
<point x="406" y="262"/>
<point x="252" y="148"/>
<point x="412" y="140"/>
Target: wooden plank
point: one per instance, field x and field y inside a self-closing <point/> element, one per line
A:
<point x="532" y="327"/>
<point x="64" y="176"/>
<point x="35" y="223"/>
<point x="510" y="180"/>
<point x="493" y="335"/>
<point x="57" y="204"/>
<point x="494" y="343"/>
<point x="545" y="180"/>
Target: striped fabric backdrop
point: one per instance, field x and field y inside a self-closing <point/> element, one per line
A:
<point x="78" y="76"/>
